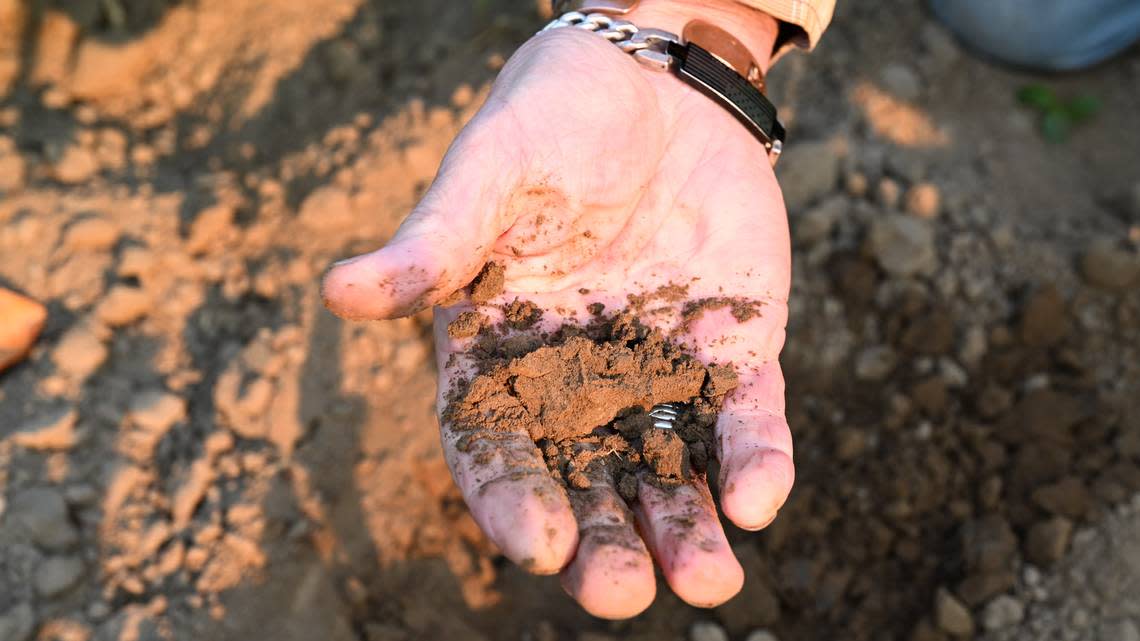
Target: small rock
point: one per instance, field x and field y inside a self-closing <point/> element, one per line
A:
<point x="875" y="363"/>
<point x="76" y="165"/>
<point x="41" y="514"/>
<point x="462" y="96"/>
<point x="901" y="80"/>
<point x="888" y="193"/>
<point x="1047" y="540"/>
<point x="988" y="544"/>
<point x="1044" y="320"/>
<point x="81" y="495"/>
<point x="707" y="631"/>
<point x="924" y="201"/>
<point x="762" y="635"/>
<point x="1003" y="612"/>
<point x="123" y="305"/>
<point x="856" y="184"/>
<point x="903" y="246"/>
<point x="136" y="262"/>
<point x="1068" y="497"/>
<point x="327" y="208"/>
<point x="18" y="623"/>
<point x="98" y="611"/>
<point x="211" y="226"/>
<point x="1122" y="630"/>
<point x="973" y="347"/>
<point x="57" y="575"/>
<point x="54" y="431"/>
<point x="951" y="616"/>
<point x="850" y="443"/>
<point x="23" y="320"/>
<point x="976" y="589"/>
<point x="816" y="223"/>
<point x="156" y="410"/>
<point x="807" y="172"/>
<point x="91" y="234"/>
<point x="1110" y="268"/>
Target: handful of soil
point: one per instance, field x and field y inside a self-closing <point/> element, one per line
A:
<point x="584" y="393"/>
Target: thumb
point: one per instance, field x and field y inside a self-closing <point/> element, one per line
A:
<point x="440" y="246"/>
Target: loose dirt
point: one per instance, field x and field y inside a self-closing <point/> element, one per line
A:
<point x="488" y="284"/>
<point x="583" y="395"/>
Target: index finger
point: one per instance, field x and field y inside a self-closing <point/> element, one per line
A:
<point x="502" y="476"/>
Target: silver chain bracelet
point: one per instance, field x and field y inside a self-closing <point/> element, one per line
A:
<point x="648" y="46"/>
<point x="665" y="51"/>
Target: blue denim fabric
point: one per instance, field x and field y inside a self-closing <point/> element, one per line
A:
<point x="1043" y="34"/>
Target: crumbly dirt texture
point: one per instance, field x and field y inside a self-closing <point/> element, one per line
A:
<point x="583" y="395"/>
<point x="466" y="325"/>
<point x="488" y="283"/>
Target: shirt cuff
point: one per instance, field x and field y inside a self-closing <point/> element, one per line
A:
<point x="802" y="22"/>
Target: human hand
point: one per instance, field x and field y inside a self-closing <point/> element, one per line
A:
<point x="586" y="172"/>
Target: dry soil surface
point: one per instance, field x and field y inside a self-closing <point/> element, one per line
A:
<point x="195" y="449"/>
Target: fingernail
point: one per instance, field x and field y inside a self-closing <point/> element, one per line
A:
<point x="346" y="261"/>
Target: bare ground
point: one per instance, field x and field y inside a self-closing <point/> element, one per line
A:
<point x="197" y="450"/>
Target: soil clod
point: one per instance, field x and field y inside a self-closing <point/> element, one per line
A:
<point x="488" y="284"/>
<point x="583" y="395"/>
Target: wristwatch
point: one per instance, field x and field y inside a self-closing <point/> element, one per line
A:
<point x="704" y="56"/>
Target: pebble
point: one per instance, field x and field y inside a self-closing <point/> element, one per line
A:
<point x="157" y="410"/>
<point x="123" y="305"/>
<point x="98" y="611"/>
<point x="18" y="623"/>
<point x="924" y="201"/>
<point x="901" y="80"/>
<point x="951" y="616"/>
<point x="856" y="184"/>
<point x="1047" y="540"/>
<point x="707" y="631"/>
<point x="81" y="495"/>
<point x="888" y="192"/>
<point x="1067" y="497"/>
<point x="91" y="234"/>
<point x="903" y="246"/>
<point x="1044" y="319"/>
<point x="57" y="575"/>
<point x="1106" y="266"/>
<point x="1122" y="630"/>
<point x="762" y="635"/>
<point x="875" y="363"/>
<point x="41" y="514"/>
<point x="817" y="223"/>
<point x="76" y="165"/>
<point x="1004" y="611"/>
<point x="973" y="347"/>
<point x="211" y="227"/>
<point x="807" y="172"/>
<point x="55" y="431"/>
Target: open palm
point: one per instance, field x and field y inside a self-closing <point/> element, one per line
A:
<point x="590" y="179"/>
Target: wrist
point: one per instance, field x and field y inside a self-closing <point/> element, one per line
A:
<point x="754" y="29"/>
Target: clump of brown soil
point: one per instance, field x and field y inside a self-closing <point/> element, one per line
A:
<point x="521" y="314"/>
<point x="488" y="284"/>
<point x="583" y="395"/>
<point x="466" y="325"/>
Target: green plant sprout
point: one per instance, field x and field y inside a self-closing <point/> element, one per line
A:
<point x="1058" y="117"/>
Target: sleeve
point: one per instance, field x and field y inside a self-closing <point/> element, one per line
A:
<point x="802" y="22"/>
